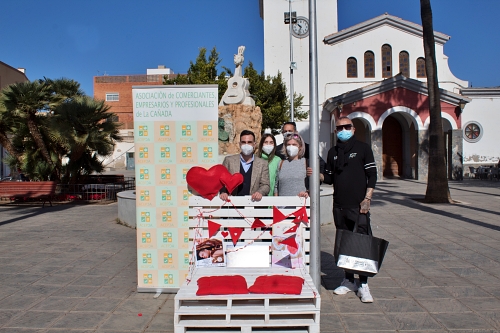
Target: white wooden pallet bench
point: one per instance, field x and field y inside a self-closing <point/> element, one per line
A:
<point x="246" y="312"/>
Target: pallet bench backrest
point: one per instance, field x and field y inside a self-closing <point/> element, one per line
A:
<point x="242" y="217"/>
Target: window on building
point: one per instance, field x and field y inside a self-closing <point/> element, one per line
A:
<point x="421" y="67"/>
<point x="404" y="63"/>
<point x="473" y="131"/>
<point x="369" y="64"/>
<point x="112" y="97"/>
<point x="386" y="60"/>
<point x="352" y="67"/>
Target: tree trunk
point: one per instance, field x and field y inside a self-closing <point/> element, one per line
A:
<point x="5" y="142"/>
<point x="37" y="137"/>
<point x="437" y="181"/>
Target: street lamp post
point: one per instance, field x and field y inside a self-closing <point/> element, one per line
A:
<point x="290" y="19"/>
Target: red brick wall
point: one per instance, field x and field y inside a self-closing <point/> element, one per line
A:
<point x="123" y="86"/>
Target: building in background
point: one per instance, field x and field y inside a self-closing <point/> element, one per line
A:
<point x="116" y="90"/>
<point x="374" y="73"/>
<point x="9" y="75"/>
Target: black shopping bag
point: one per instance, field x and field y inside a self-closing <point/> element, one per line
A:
<point x="358" y="253"/>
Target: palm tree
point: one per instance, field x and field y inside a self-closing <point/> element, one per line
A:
<point x="84" y="131"/>
<point x="437" y="181"/>
<point x="30" y="101"/>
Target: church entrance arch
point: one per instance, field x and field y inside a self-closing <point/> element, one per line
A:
<point x="399" y="146"/>
<point x="363" y="130"/>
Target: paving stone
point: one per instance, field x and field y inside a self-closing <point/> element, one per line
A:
<point x="442" y="305"/>
<point x="482" y="304"/>
<point x="97" y="304"/>
<point x="399" y="305"/>
<point x="81" y="320"/>
<point x="34" y="319"/>
<point x="55" y="303"/>
<point x="130" y="321"/>
<point x="359" y="322"/>
<point x="75" y="291"/>
<point x="412" y="321"/>
<point x="463" y="320"/>
<point x="18" y="302"/>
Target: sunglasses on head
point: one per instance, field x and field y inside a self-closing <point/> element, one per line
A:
<point x="346" y="127"/>
<point x="291" y="135"/>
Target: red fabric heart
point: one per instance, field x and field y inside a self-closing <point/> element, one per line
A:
<point x="224" y="233"/>
<point x="231" y="182"/>
<point x="206" y="182"/>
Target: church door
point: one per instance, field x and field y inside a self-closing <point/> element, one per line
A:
<point x="392" y="148"/>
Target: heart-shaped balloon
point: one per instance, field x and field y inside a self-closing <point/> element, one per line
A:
<point x="231" y="181"/>
<point x="206" y="182"/>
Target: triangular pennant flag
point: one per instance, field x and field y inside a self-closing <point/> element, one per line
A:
<point x="285" y="262"/>
<point x="292" y="229"/>
<point x="235" y="234"/>
<point x="213" y="228"/>
<point x="300" y="215"/>
<point x="257" y="224"/>
<point x="277" y="215"/>
<point x="290" y="241"/>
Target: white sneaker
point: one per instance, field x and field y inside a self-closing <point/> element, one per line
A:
<point x="364" y="294"/>
<point x="345" y="287"/>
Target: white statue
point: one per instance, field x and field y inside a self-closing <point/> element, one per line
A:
<point x="237" y="86"/>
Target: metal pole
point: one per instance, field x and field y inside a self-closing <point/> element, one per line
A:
<point x="291" y="60"/>
<point x="315" y="251"/>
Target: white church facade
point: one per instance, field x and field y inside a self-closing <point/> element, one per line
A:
<point x="374" y="73"/>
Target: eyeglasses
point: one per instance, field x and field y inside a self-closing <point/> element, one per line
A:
<point x="291" y="136"/>
<point x="346" y="127"/>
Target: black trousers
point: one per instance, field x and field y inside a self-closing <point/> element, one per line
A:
<point x="345" y="218"/>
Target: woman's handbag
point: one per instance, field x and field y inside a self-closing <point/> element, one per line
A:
<point x="357" y="253"/>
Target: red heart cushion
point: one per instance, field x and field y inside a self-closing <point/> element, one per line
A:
<point x="222" y="285"/>
<point x="277" y="284"/>
<point x="206" y="182"/>
<point x="231" y="182"/>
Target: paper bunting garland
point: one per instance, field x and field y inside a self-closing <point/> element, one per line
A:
<point x="235" y="234"/>
<point x="277" y="215"/>
<point x="292" y="229"/>
<point x="257" y="224"/>
<point x="285" y="262"/>
<point x="213" y="228"/>
<point x="290" y="241"/>
<point x="300" y="215"/>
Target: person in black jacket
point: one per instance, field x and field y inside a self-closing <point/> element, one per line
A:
<point x="351" y="168"/>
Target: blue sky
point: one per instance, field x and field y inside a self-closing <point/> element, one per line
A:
<point x="83" y="39"/>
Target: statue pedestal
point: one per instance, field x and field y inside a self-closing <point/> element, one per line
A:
<point x="239" y="117"/>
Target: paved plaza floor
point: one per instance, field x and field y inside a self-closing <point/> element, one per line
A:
<point x="72" y="268"/>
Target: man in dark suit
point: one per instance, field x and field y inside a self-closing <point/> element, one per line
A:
<point x="255" y="170"/>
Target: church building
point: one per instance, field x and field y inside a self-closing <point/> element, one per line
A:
<point x="374" y="73"/>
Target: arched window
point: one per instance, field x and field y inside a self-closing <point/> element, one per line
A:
<point x="404" y="63"/>
<point x="369" y="64"/>
<point x="421" y="67"/>
<point x="352" y="67"/>
<point x="386" y="60"/>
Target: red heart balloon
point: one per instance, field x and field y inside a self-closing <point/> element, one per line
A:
<point x="206" y="182"/>
<point x="231" y="181"/>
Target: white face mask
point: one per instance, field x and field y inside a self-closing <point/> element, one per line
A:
<point x="292" y="151"/>
<point x="246" y="149"/>
<point x="286" y="134"/>
<point x="268" y="149"/>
